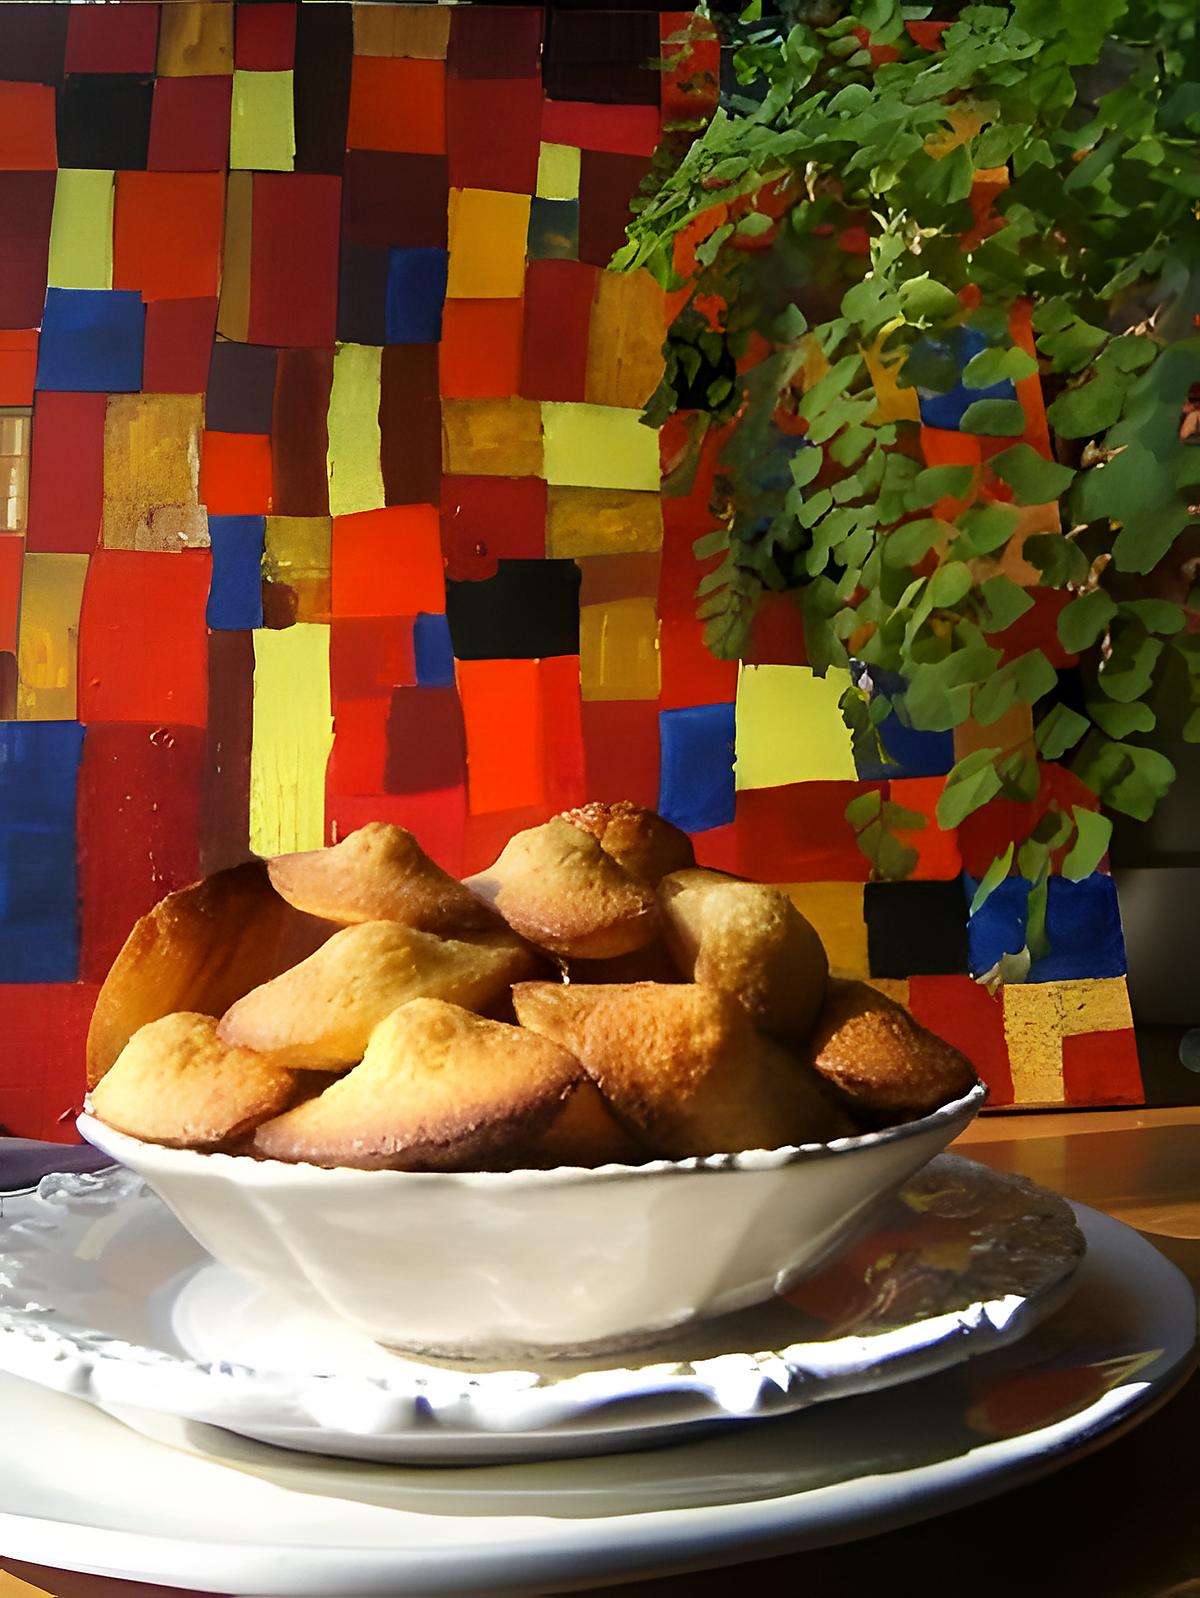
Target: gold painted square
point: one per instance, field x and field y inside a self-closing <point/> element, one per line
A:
<point x="15" y="427"/>
<point x="488" y="231"/>
<point x="195" y="39"/>
<point x="601" y="521"/>
<point x="151" y="472"/>
<point x="625" y="340"/>
<point x="48" y="636"/>
<point x="836" y="911"/>
<point x="233" y="308"/>
<point x="492" y="437"/>
<point x="298" y="555"/>
<point x="1039" y="1015"/>
<point x="618" y="650"/>
<point x="418" y="32"/>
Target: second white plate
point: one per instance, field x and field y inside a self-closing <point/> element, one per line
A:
<point x="104" y="1295"/>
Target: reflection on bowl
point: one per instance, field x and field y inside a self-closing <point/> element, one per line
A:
<point x="503" y="1266"/>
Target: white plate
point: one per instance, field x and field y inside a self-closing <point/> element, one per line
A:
<point x="194" y="1507"/>
<point x="104" y="1295"/>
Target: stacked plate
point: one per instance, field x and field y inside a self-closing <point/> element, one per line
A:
<point x="169" y="1421"/>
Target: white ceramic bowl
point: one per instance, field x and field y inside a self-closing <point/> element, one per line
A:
<point x="531" y="1264"/>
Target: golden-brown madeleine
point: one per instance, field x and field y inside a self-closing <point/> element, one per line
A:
<point x="747" y="939"/>
<point x="683" y="1066"/>
<point x="651" y="964"/>
<point x="582" y="884"/>
<point x="321" y="1013"/>
<point x="583" y="1132"/>
<point x="199" y="949"/>
<point x="438" y="1089"/>
<point x="884" y="1064"/>
<point x="175" y="1082"/>
<point x="380" y="873"/>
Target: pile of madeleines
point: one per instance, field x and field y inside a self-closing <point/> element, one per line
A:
<point x="592" y="997"/>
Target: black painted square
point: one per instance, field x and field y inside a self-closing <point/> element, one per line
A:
<point x="916" y="928"/>
<point x="528" y="610"/>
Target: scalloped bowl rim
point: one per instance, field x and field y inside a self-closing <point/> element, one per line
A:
<point x="259" y="1172"/>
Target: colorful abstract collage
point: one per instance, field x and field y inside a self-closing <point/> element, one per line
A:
<point x="326" y="497"/>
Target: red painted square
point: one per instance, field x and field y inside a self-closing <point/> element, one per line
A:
<point x="966" y="1015"/>
<point x="294" y="259"/>
<point x="371" y="655"/>
<point x="489" y="519"/>
<point x="66" y="474"/>
<point x="777" y="633"/>
<point x="167" y="234"/>
<point x="12" y="549"/>
<point x="562" y="733"/>
<point x="358" y="760"/>
<point x="265" y="40"/>
<point x="143" y="642"/>
<point x="1102" y="1068"/>
<point x="480" y="352"/>
<point x="621" y="129"/>
<point x="139" y="829"/>
<point x="691" y="674"/>
<point x="28" y="137"/>
<point x="179" y="341"/>
<point x="558" y="314"/>
<point x="799" y="833"/>
<point x="18" y="366"/>
<point x="112" y="38"/>
<point x="189" y="123"/>
<point x="938" y="857"/>
<point x="426" y="743"/>
<point x="388" y="562"/>
<point x="397" y="104"/>
<point x="42" y="1074"/>
<point x="620" y="741"/>
<point x="235" y="473"/>
<point x="493" y="129"/>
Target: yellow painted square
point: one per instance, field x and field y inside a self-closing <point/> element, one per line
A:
<point x="789" y="727"/>
<point x="195" y="39"/>
<point x="599" y="446"/>
<point x="353" y="458"/>
<point x="625" y="340"/>
<point x="618" y="650"/>
<point x="601" y="521"/>
<point x="491" y="437"/>
<point x="558" y="172"/>
<point x="151" y="472"/>
<point x="293" y="734"/>
<point x="81" y="232"/>
<point x="836" y="911"/>
<point x="488" y="230"/>
<point x="48" y="636"/>
<point x="262" y="134"/>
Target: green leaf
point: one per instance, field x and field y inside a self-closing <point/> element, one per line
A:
<point x="1089" y="409"/>
<point x="806" y="464"/>
<point x="987" y="527"/>
<point x="1059" y="559"/>
<point x="991" y="880"/>
<point x="970" y="785"/>
<point x="1004" y="602"/>
<point x="1155" y="615"/>
<point x="907" y="544"/>
<point x="1070" y="348"/>
<point x="754" y="224"/>
<point x="925" y="299"/>
<point x="993" y="418"/>
<point x="1128" y="777"/>
<point x="1060" y="729"/>
<point x="930" y="364"/>
<point x="940" y="482"/>
<point x="1036" y="940"/>
<point x="1118" y="720"/>
<point x="948" y="180"/>
<point x="949" y="584"/>
<point x="1032" y="478"/>
<point x="1127" y="674"/>
<point x="994" y="365"/>
<point x="1083" y="621"/>
<point x="1092" y="833"/>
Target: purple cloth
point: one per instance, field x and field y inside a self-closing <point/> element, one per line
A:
<point x="23" y="1162"/>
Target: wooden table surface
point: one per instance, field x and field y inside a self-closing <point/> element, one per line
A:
<point x="1122" y="1523"/>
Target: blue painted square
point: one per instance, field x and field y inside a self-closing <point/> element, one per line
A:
<point x="553" y="230"/>
<point x="946" y="410"/>
<point x="235" y="587"/>
<point x="416" y="291"/>
<point x="1083" y="925"/>
<point x="39" y="929"/>
<point x="695" y="784"/>
<point x="913" y="753"/>
<point x="91" y="341"/>
<point x="433" y="651"/>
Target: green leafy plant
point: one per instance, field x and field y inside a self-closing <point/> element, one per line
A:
<point x="839" y="253"/>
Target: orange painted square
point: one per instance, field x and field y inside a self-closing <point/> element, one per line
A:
<point x="167" y="233"/>
<point x="397" y="104"/>
<point x="18" y="367"/>
<point x="388" y="562"/>
<point x="480" y="356"/>
<point x="235" y="473"/>
<point x="12" y="549"/>
<point x="143" y="640"/>
<point x="938" y="858"/>
<point x="28" y="139"/>
<point x="502" y="711"/>
<point x="1102" y="1068"/>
